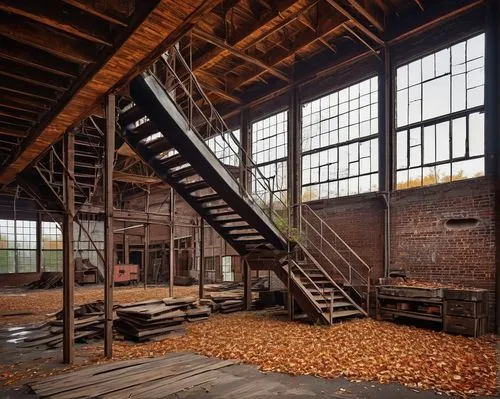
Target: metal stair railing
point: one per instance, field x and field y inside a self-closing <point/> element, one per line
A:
<point x="338" y="259"/>
<point x="203" y="119"/>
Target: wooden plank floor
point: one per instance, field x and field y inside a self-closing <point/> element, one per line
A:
<point x="143" y="378"/>
<point x="190" y="376"/>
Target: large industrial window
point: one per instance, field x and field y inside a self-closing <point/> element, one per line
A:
<point x="269" y="153"/>
<point x="17" y="246"/>
<point x="52" y="247"/>
<point x="340" y="142"/>
<point x="440" y="116"/>
<point x="225" y="147"/>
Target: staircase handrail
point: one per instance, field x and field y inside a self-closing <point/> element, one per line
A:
<point x="222" y="130"/>
<point x="332" y="281"/>
<point x="309" y="209"/>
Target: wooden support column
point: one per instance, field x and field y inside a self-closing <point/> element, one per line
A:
<point x="245" y="145"/>
<point x="126" y="250"/>
<point x="39" y="242"/>
<point x="201" y="277"/>
<point x="294" y="179"/>
<point x="172" y="244"/>
<point x="146" y="242"/>
<point x="245" y="178"/>
<point x="492" y="124"/>
<point x="109" y="148"/>
<point x="247" y="281"/>
<point x="68" y="261"/>
<point x="386" y="147"/>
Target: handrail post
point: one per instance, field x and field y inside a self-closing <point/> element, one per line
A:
<point x="368" y="295"/>
<point x="331" y="306"/>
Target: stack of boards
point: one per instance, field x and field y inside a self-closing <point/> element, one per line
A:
<point x="224" y="302"/>
<point x="89" y="323"/>
<point x="157" y="318"/>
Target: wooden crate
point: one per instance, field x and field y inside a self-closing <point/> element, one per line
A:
<point x="474" y="327"/>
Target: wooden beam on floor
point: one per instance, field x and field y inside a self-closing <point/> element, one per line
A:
<point x="63" y="18"/>
<point x="26" y="55"/>
<point x="109" y="148"/>
<point x="50" y="40"/>
<point x="68" y="263"/>
<point x="240" y="54"/>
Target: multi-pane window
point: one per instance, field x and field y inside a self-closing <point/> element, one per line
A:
<point x="17" y="246"/>
<point x="340" y="142"/>
<point x="226" y="147"/>
<point x="440" y="116"/>
<point x="269" y="153"/>
<point x="52" y="247"/>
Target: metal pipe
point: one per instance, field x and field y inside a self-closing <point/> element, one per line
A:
<point x="128" y="228"/>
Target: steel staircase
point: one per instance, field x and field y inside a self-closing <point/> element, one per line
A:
<point x="168" y="125"/>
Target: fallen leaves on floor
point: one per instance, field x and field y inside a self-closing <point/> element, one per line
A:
<point x="358" y="350"/>
<point x="41" y="302"/>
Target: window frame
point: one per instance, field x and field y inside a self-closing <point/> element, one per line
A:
<point x="436" y="120"/>
<point x="369" y="138"/>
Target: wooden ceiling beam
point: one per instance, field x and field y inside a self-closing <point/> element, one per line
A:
<point x="47" y="39"/>
<point x="25" y="55"/>
<point x="291" y="18"/>
<point x="115" y="12"/>
<point x="367" y="32"/>
<point x="17" y="114"/>
<point x="240" y="54"/>
<point x="327" y="25"/>
<point x="11" y="132"/>
<point x="367" y="14"/>
<point x="12" y="123"/>
<point x="241" y="34"/>
<point x="33" y="75"/>
<point x="419" y="4"/>
<point x="66" y="19"/>
<point x="221" y="93"/>
<point x="21" y="102"/>
<point x="384" y="7"/>
<point x="16" y="86"/>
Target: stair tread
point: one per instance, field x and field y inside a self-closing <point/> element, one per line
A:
<point x="339" y="304"/>
<point x="345" y="313"/>
<point x="131" y="115"/>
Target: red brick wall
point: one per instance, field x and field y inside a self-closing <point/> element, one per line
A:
<point x="428" y="249"/>
<point x="17" y="279"/>
<point x="359" y="221"/>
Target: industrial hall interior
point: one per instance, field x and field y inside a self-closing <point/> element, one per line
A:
<point x="249" y="199"/>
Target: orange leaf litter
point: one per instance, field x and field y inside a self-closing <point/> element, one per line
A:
<point x="358" y="350"/>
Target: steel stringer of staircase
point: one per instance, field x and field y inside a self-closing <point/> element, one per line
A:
<point x="168" y="126"/>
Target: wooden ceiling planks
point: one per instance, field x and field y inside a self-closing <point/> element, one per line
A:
<point x="138" y="46"/>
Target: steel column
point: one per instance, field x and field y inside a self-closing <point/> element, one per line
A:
<point x="109" y="154"/>
<point x="68" y="261"/>
<point x="172" y="244"/>
<point x="39" y="242"/>
<point x="201" y="277"/>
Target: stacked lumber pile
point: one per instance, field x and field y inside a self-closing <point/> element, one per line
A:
<point x="155" y="319"/>
<point x="224" y="302"/>
<point x="89" y="323"/>
<point x="46" y="281"/>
